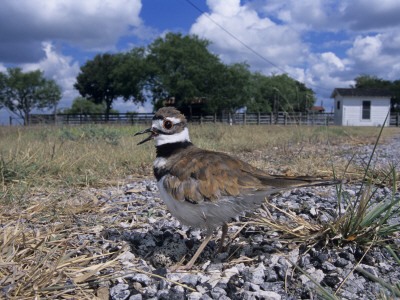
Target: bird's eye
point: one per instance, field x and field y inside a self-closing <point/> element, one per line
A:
<point x="168" y="124"/>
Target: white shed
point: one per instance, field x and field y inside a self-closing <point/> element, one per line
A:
<point x="361" y="107"/>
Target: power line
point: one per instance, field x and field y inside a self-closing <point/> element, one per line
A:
<point x="245" y="45"/>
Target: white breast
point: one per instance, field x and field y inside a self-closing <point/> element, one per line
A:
<point x="206" y="214"/>
<point x="186" y="212"/>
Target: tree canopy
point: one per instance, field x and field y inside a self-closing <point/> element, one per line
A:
<point x="95" y="81"/>
<point x="374" y="82"/>
<point x="22" y="92"/>
<point x="180" y="70"/>
<point x="279" y="93"/>
<point x="109" y="76"/>
<point x="84" y="106"/>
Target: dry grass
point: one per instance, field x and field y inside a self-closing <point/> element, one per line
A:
<point x="94" y="155"/>
<point x="42" y="253"/>
<point x="45" y="209"/>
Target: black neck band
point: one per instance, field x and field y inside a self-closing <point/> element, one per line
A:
<point x="167" y="150"/>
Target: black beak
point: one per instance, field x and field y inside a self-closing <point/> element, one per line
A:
<point x="153" y="134"/>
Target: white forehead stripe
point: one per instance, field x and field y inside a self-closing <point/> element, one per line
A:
<point x="162" y="139"/>
<point x="174" y="120"/>
<point x="159" y="122"/>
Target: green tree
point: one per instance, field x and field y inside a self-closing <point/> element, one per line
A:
<point x="84" y="106"/>
<point x="109" y="76"/>
<point x="395" y="101"/>
<point x="95" y="81"/>
<point x="130" y="74"/>
<point x="181" y="67"/>
<point x="232" y="88"/>
<point x="3" y="84"/>
<point x="23" y="92"/>
<point x="261" y="99"/>
<point x="373" y="82"/>
<point x="279" y="93"/>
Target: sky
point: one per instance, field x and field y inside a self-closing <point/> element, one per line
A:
<point x="324" y="44"/>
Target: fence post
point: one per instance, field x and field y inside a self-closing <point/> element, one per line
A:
<point x="285" y="118"/>
<point x="258" y="118"/>
<point x="201" y="119"/>
<point x="244" y="118"/>
<point x="397" y="119"/>
<point x="270" y="118"/>
<point x="215" y="118"/>
<point x="10" y="121"/>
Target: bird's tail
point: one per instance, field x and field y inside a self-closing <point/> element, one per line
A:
<point x="287" y="182"/>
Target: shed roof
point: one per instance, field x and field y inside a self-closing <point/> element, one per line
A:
<point x="353" y="92"/>
<point x="317" y="108"/>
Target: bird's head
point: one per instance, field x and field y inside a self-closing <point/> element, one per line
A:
<point x="169" y="125"/>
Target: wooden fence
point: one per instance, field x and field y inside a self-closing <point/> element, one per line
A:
<point x="280" y="118"/>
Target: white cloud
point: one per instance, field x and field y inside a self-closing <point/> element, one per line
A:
<point x="94" y="25"/>
<point x="377" y="54"/>
<point x="366" y="49"/>
<point x="60" y="68"/>
<point x="278" y="43"/>
<point x="319" y="15"/>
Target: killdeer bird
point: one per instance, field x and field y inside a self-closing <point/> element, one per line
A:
<point x="203" y="188"/>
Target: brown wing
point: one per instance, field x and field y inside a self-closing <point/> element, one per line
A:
<point x="207" y="176"/>
<point x="203" y="175"/>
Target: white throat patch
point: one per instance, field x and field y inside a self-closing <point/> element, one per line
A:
<point x="159" y="162"/>
<point x="162" y="139"/>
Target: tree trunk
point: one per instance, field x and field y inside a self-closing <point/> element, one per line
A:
<point x="26" y="119"/>
<point x="108" y="109"/>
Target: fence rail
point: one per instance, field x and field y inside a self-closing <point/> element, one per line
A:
<point x="280" y="118"/>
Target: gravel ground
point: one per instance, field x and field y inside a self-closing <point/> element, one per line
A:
<point x="255" y="264"/>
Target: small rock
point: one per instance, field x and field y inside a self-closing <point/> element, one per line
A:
<point x="341" y="262"/>
<point x="317" y="275"/>
<point x="230" y="272"/>
<point x="255" y="275"/>
<point x="120" y="291"/>
<point x="163" y="294"/>
<point x="327" y="266"/>
<point x="177" y="293"/>
<point x="331" y="281"/>
<point x="217" y="292"/>
<point x="150" y="291"/>
<point x="270" y="275"/>
<point x="142" y="278"/>
<point x="194" y="296"/>
<point x="136" y="297"/>
<point x="190" y="279"/>
<point x="268" y="295"/>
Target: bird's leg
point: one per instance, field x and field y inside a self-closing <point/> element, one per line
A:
<point x="223" y="235"/>
<point x="190" y="264"/>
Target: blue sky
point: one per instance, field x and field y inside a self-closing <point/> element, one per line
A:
<point x="325" y="44"/>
